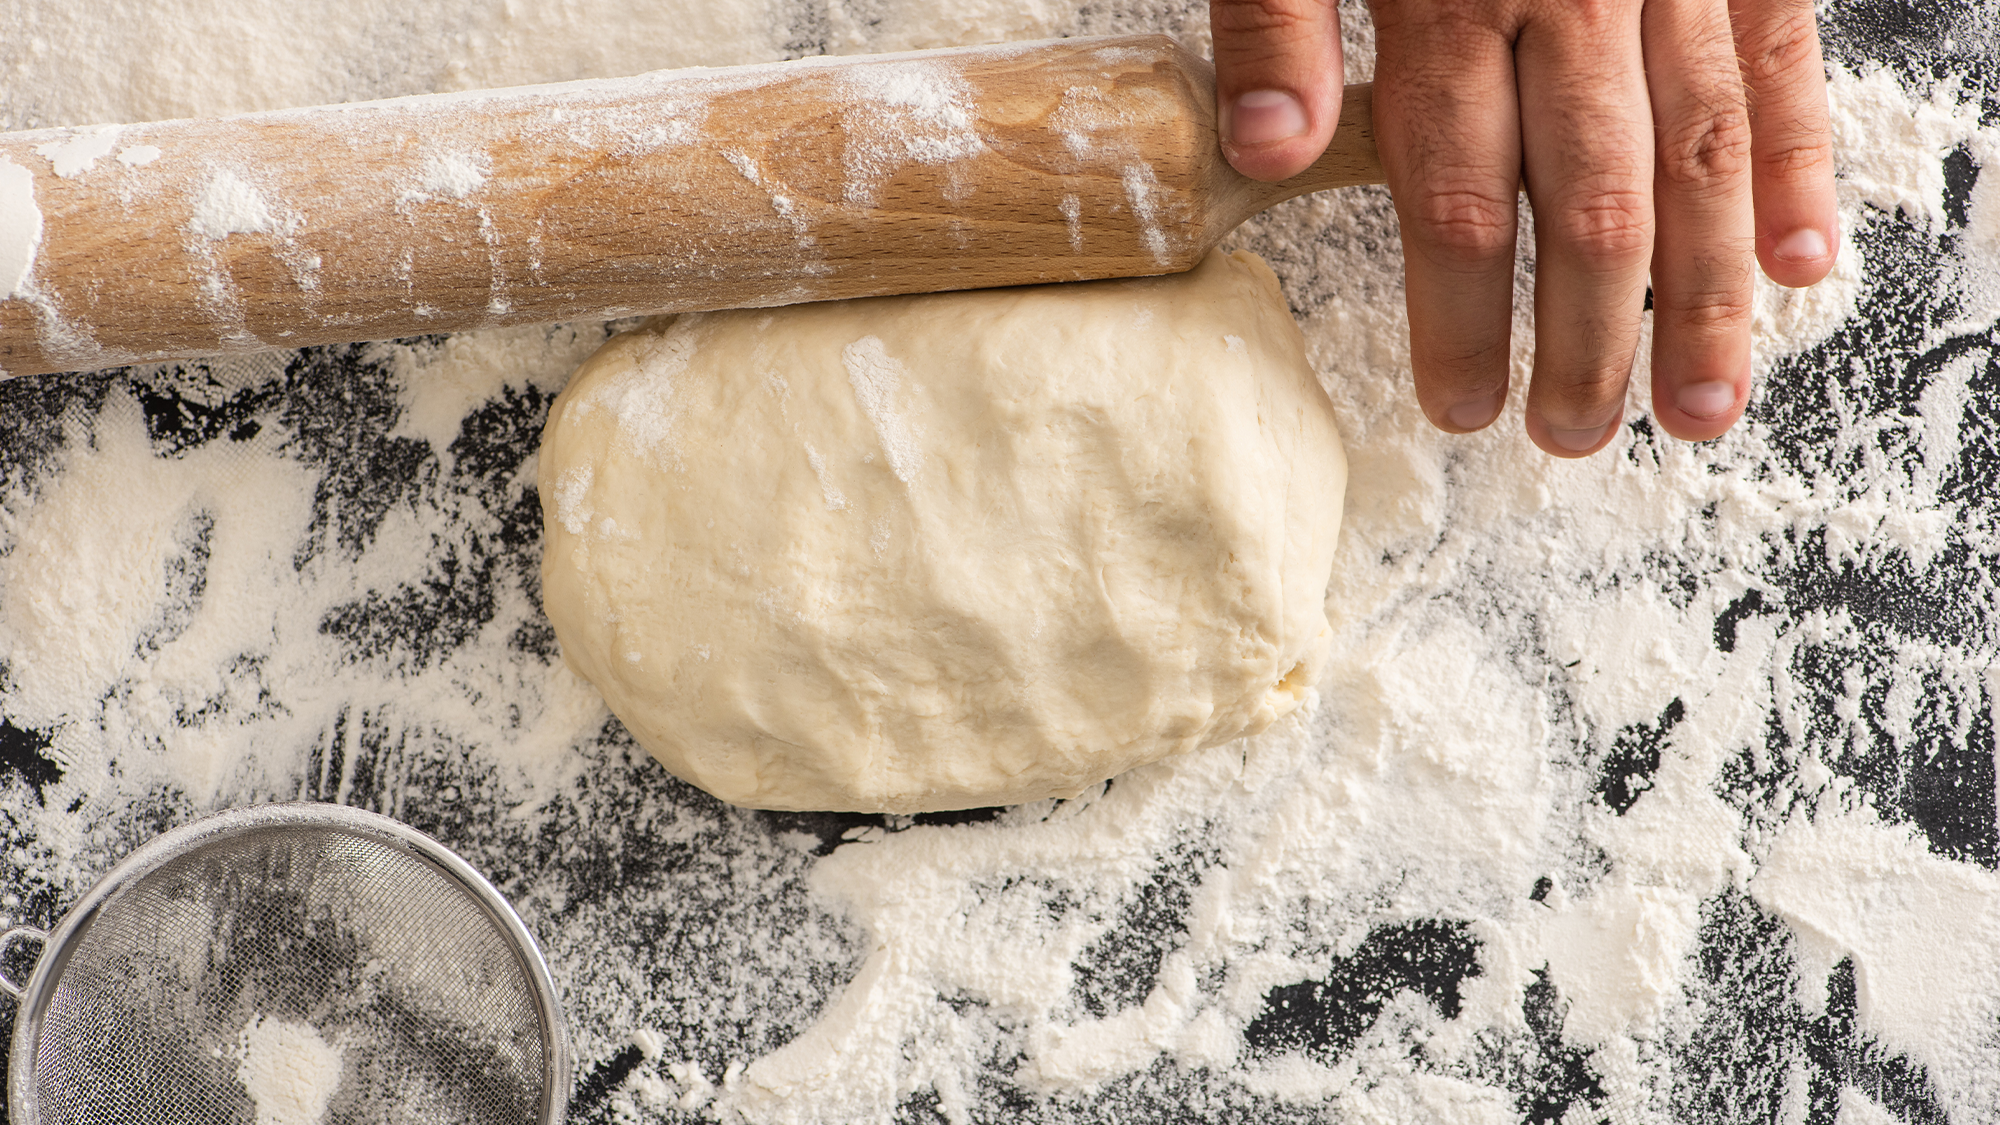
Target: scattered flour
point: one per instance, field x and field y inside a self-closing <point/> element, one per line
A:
<point x="454" y="175"/>
<point x="902" y="115"/>
<point x="877" y="378"/>
<point x="20" y="228"/>
<point x="79" y="64"/>
<point x="228" y="205"/>
<point x="1917" y="926"/>
<point x="1512" y="625"/>
<point x="290" y="1073"/>
<point x="79" y="154"/>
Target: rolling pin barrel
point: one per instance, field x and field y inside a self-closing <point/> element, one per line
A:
<point x="675" y="191"/>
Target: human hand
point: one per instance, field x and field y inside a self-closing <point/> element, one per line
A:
<point x="1676" y="139"/>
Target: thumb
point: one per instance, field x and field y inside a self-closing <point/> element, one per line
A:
<point x="1277" y="82"/>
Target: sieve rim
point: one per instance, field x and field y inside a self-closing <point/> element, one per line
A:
<point x="23" y="1106"/>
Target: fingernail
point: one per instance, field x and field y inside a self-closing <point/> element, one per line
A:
<point x="1705" y="400"/>
<point x="1473" y="415"/>
<point x="1578" y="441"/>
<point x="1262" y="116"/>
<point x="1802" y="245"/>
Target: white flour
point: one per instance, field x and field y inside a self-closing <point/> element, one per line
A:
<point x="289" y="1071"/>
<point x="1512" y="624"/>
<point x="230" y="205"/>
<point x="877" y="377"/>
<point x="20" y="226"/>
<point x="73" y="157"/>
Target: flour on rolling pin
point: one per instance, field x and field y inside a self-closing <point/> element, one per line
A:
<point x="678" y="190"/>
<point x="20" y="228"/>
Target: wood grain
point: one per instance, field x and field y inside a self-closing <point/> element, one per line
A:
<point x="675" y="191"/>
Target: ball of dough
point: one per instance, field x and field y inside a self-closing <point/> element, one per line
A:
<point x="918" y="553"/>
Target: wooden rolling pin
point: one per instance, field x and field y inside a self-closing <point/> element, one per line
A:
<point x="674" y="191"/>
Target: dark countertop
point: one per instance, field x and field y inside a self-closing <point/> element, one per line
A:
<point x="661" y="908"/>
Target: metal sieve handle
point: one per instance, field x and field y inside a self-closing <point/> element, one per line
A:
<point x="8" y="939"/>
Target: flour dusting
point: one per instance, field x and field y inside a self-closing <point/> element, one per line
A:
<point x="454" y="175"/>
<point x="79" y="154"/>
<point x="20" y="228"/>
<point x="289" y="1071"/>
<point x="900" y="115"/>
<point x="228" y="205"/>
<point x="878" y="379"/>
<point x="1655" y="787"/>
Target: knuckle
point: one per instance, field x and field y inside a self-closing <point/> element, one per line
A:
<point x="1800" y="154"/>
<point x="1583" y="394"/>
<point x="1709" y="149"/>
<point x="1595" y="13"/>
<point x="1436" y="41"/>
<point x="1787" y="45"/>
<point x="1610" y="225"/>
<point x="1714" y="311"/>
<point x="1393" y="17"/>
<point x="1463" y="223"/>
<point x="1469" y="366"/>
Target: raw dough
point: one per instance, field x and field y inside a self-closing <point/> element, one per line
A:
<point x="920" y="553"/>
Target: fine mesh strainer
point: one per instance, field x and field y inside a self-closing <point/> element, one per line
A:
<point x="298" y="964"/>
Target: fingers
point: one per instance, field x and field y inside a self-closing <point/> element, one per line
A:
<point x="1798" y="230"/>
<point x="1703" y="260"/>
<point x="1278" y="82"/>
<point x="1587" y="149"/>
<point x="1449" y="137"/>
<point x="1681" y="139"/>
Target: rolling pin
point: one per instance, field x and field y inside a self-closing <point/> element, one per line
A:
<point x="668" y="192"/>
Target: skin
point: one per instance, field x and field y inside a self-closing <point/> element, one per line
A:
<point x="1677" y="143"/>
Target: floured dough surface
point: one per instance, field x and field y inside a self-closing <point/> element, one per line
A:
<point x="921" y="553"/>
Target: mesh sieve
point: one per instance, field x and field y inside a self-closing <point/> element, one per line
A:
<point x="296" y="964"/>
